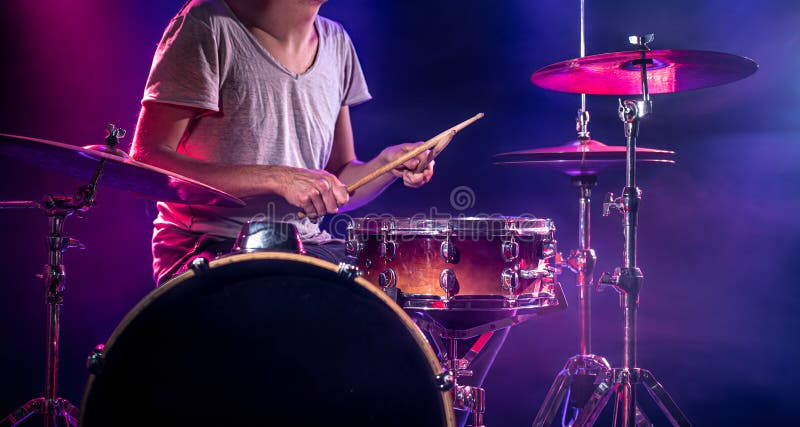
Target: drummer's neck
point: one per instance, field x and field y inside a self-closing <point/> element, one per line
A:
<point x="291" y="22"/>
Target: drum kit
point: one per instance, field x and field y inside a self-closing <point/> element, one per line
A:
<point x="346" y="342"/>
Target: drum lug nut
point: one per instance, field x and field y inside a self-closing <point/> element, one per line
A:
<point x="387" y="278"/>
<point x="509" y="279"/>
<point x="510" y="251"/>
<point x="448" y="282"/>
<point x="354" y="248"/>
<point x="96" y="360"/>
<point x="448" y="252"/>
<point x="388" y="250"/>
<point x="548" y="249"/>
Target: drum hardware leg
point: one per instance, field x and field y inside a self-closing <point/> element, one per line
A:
<point x="466" y="397"/>
<point x="58" y="208"/>
<point x="473" y="398"/>
<point x="581" y="375"/>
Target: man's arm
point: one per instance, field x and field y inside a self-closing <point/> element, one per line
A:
<point x="344" y="164"/>
<point x="160" y="129"/>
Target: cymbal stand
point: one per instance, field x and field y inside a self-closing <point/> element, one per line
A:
<point x="573" y="384"/>
<point x="628" y="281"/>
<point x="58" y="208"/>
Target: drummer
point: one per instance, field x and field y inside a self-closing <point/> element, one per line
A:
<point x="253" y="97"/>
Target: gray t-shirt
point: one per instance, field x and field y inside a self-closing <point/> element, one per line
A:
<point x="256" y="110"/>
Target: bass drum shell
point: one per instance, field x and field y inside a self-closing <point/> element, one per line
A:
<point x="268" y="338"/>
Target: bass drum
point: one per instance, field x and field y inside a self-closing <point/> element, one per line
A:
<point x="264" y="338"/>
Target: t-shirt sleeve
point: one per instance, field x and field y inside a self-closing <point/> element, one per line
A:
<point x="185" y="68"/>
<point x="355" y="85"/>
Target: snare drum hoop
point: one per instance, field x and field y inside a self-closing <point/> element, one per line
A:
<point x="474" y="226"/>
<point x="411" y="327"/>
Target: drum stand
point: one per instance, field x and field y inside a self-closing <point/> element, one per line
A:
<point x="628" y="282"/>
<point x="58" y="208"/>
<point x="465" y="397"/>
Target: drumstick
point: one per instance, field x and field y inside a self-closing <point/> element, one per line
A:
<point x="437" y="143"/>
<point x="442" y="139"/>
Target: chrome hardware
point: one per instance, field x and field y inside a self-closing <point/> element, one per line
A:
<point x="387" y="278"/>
<point x="388" y="250"/>
<point x="607" y="280"/>
<point x="581" y="261"/>
<point x="348" y="271"/>
<point x="448" y="252"/>
<point x="509" y="279"/>
<point x="472" y="398"/>
<point x="510" y="250"/>
<point x="96" y="360"/>
<point x="448" y="282"/>
<point x="548" y="249"/>
<point x="539" y="273"/>
<point x="445" y="381"/>
<point x="199" y="265"/>
<point x="354" y="247"/>
<point x="70" y="243"/>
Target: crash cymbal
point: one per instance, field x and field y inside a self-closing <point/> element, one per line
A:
<point x="581" y="157"/>
<point x="668" y="71"/>
<point x="119" y="171"/>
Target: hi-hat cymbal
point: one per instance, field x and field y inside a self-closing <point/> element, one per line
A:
<point x="668" y="71"/>
<point x="119" y="172"/>
<point x="581" y="157"/>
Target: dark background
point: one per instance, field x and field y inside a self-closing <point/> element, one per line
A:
<point x="718" y="234"/>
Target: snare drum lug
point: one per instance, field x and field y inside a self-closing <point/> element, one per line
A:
<point x="388" y="250"/>
<point x="448" y="282"/>
<point x="354" y="248"/>
<point x="509" y="279"/>
<point x="548" y="249"/>
<point x="387" y="278"/>
<point x="510" y="250"/>
<point x="199" y="265"/>
<point x="449" y="252"/>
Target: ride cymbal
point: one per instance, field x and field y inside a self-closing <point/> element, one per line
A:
<point x="618" y="73"/>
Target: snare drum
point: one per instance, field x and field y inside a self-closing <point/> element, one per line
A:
<point x="491" y="268"/>
<point x="257" y="337"/>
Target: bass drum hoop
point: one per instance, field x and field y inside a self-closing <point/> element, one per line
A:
<point x="413" y="330"/>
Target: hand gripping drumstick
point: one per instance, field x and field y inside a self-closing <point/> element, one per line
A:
<point x="435" y="144"/>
